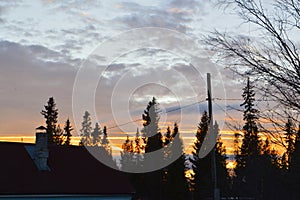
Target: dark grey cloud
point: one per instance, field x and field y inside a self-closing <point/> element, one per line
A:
<point x="31" y="73"/>
<point x="139" y="20"/>
<point x="26" y="83"/>
<point x="192" y="4"/>
<point x="174" y="15"/>
<point x="72" y="5"/>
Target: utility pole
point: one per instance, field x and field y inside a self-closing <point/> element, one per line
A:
<point x="216" y="192"/>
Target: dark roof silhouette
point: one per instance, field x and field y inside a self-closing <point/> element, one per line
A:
<point x="73" y="171"/>
<point x="41" y="128"/>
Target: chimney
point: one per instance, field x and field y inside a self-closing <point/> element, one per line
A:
<point x="41" y="152"/>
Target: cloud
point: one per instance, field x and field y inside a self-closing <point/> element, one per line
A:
<point x="6" y="5"/>
<point x="26" y="83"/>
<point x="192" y="4"/>
<point x="139" y="20"/>
<point x="72" y="4"/>
<point x="136" y="15"/>
<point x="48" y="47"/>
<point x="1" y="13"/>
<point x="178" y="11"/>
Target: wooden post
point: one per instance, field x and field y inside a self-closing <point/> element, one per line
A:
<point x="216" y="192"/>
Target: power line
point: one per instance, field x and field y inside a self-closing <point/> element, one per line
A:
<point x="189" y="105"/>
<point x="225" y="99"/>
<point x="124" y="124"/>
<point x="222" y="109"/>
<point x="222" y="99"/>
<point x="172" y="110"/>
<point x="180" y="108"/>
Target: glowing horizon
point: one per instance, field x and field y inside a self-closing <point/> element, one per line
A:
<point x="227" y="138"/>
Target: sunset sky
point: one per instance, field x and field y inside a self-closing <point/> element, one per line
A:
<point x="43" y="44"/>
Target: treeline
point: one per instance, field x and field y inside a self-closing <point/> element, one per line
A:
<point x="56" y="135"/>
<point x="89" y="136"/>
<point x="271" y="58"/>
<point x="260" y="172"/>
<point x="168" y="182"/>
<point x="171" y="181"/>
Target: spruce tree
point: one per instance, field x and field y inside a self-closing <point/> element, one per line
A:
<point x="248" y="172"/>
<point x="176" y="182"/>
<point x="103" y="150"/>
<point x="138" y="148"/>
<point x="51" y="115"/>
<point x="251" y="144"/>
<point x="153" y="142"/>
<point x="270" y="179"/>
<point x="96" y="135"/>
<point x="290" y="135"/>
<point x="151" y="134"/>
<point x="127" y="155"/>
<point x="223" y="178"/>
<point x="293" y="176"/>
<point x="105" y="144"/>
<point x="167" y="150"/>
<point x="86" y="130"/>
<point x="168" y="136"/>
<point x="58" y="136"/>
<point x="68" y="129"/>
<point x="201" y="182"/>
<point x="104" y="141"/>
<point x="201" y="133"/>
<point x="138" y="179"/>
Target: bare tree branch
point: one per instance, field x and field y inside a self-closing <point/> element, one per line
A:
<point x="272" y="60"/>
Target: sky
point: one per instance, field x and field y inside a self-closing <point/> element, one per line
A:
<point x="111" y="58"/>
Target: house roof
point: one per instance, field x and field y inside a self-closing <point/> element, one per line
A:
<point x="41" y="128"/>
<point x="73" y="171"/>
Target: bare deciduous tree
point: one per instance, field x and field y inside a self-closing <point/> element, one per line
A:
<point x="271" y="56"/>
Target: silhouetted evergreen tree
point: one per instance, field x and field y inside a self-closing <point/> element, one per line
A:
<point x="153" y="142"/>
<point x="201" y="180"/>
<point x="176" y="186"/>
<point x="134" y="155"/>
<point x="86" y="130"/>
<point x="168" y="136"/>
<point x="138" y="150"/>
<point x="223" y="178"/>
<point x="202" y="184"/>
<point x="151" y="134"/>
<point x="104" y="150"/>
<point x="201" y="133"/>
<point x="68" y="129"/>
<point x="251" y="144"/>
<point x="167" y="150"/>
<point x="105" y="142"/>
<point x="50" y="114"/>
<point x="271" y="186"/>
<point x="127" y="155"/>
<point x="96" y="135"/>
<point x="58" y="136"/>
<point x="271" y="153"/>
<point x="293" y="175"/>
<point x="248" y="171"/>
<point x="290" y="135"/>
